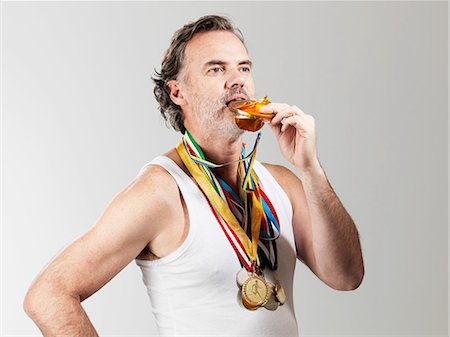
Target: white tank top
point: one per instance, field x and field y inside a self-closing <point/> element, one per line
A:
<point x="193" y="290"/>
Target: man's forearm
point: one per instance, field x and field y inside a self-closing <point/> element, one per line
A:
<point x="335" y="237"/>
<point x="60" y="316"/>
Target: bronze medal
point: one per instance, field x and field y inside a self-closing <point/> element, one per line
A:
<point x="272" y="303"/>
<point x="279" y="293"/>
<point x="255" y="292"/>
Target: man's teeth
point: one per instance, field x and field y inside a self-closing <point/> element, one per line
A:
<point x="238" y="99"/>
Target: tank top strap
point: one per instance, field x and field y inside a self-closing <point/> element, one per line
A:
<point x="184" y="182"/>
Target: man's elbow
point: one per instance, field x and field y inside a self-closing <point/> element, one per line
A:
<point x="352" y="282"/>
<point x="32" y="303"/>
<point x="352" y="285"/>
<point x="39" y="298"/>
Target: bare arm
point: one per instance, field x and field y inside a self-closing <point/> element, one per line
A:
<point x="132" y="219"/>
<point x="326" y="237"/>
<point x="335" y="237"/>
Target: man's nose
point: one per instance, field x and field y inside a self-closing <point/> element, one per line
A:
<point x="235" y="80"/>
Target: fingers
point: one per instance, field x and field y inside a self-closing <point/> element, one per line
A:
<point x="284" y="114"/>
<point x="281" y="111"/>
<point x="292" y="120"/>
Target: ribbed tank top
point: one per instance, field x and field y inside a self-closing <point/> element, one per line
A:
<point x="193" y="290"/>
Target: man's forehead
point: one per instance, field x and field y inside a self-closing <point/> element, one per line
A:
<point x="215" y="45"/>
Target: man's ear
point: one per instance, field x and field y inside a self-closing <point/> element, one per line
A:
<point x="175" y="92"/>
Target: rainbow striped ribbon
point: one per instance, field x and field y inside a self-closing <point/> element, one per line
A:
<point x="247" y="215"/>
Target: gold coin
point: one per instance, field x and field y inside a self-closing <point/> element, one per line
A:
<point x="255" y="291"/>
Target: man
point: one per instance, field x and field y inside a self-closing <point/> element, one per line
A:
<point x="217" y="244"/>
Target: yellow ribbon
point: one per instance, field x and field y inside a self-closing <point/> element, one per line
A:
<point x="250" y="247"/>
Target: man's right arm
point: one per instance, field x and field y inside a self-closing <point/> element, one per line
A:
<point x="134" y="218"/>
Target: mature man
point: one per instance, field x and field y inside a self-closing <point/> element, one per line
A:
<point x="217" y="244"/>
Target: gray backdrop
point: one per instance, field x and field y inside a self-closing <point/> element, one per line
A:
<point x="79" y="120"/>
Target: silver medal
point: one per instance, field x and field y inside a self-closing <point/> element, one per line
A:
<point x="241" y="276"/>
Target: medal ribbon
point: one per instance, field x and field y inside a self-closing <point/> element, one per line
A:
<point x="264" y="220"/>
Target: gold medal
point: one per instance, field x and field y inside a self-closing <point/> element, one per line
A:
<point x="248" y="305"/>
<point x="255" y="292"/>
<point x="279" y="293"/>
<point x="248" y="117"/>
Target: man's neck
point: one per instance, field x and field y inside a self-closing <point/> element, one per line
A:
<point x="219" y="150"/>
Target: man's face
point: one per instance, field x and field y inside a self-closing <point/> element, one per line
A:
<point x="216" y="70"/>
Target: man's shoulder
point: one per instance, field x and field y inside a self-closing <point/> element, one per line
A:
<point x="157" y="181"/>
<point x="275" y="167"/>
<point x="287" y="179"/>
<point x="153" y="179"/>
<point x="153" y="173"/>
<point x="279" y="171"/>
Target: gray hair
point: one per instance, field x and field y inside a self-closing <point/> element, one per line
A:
<point x="173" y="63"/>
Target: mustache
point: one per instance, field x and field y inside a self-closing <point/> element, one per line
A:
<point x="227" y="96"/>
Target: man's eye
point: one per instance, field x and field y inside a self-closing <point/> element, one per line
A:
<point x="215" y="70"/>
<point x="245" y="69"/>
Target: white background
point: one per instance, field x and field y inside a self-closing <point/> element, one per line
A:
<point x="79" y="120"/>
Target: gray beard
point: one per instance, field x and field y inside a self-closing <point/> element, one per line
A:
<point x="214" y="123"/>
